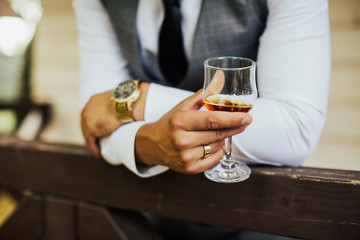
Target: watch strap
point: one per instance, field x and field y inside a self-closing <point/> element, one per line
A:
<point x="124" y="111"/>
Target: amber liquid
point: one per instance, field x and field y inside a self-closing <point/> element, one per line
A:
<point x="221" y="103"/>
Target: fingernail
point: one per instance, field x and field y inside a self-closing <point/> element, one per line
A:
<point x="246" y="121"/>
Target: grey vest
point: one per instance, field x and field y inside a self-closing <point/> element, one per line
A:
<point x="224" y="28"/>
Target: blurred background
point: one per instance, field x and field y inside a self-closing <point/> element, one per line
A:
<point x="54" y="80"/>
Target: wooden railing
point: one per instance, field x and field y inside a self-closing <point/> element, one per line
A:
<point x="68" y="192"/>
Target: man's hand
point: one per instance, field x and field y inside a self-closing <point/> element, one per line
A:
<point x="98" y="118"/>
<point x="177" y="139"/>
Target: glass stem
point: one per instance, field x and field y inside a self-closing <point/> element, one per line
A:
<point x="227" y="162"/>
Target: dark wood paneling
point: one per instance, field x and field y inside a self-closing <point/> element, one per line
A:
<point x="134" y="224"/>
<point x="299" y="202"/>
<point x="59" y="221"/>
<point x="96" y="223"/>
<point x="26" y="222"/>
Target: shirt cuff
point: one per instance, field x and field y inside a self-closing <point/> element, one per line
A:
<point x="118" y="148"/>
<point x="160" y="99"/>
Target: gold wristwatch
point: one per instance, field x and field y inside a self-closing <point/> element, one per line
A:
<point x="124" y="95"/>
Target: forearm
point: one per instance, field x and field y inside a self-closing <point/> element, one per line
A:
<point x="282" y="134"/>
<point x="293" y="79"/>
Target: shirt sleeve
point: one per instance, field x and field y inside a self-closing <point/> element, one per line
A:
<point x="101" y="63"/>
<point x="293" y="70"/>
<point x="161" y="99"/>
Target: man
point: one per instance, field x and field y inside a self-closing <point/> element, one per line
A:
<point x="290" y="41"/>
<point x="119" y="40"/>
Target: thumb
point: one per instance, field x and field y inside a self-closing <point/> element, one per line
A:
<point x="194" y="102"/>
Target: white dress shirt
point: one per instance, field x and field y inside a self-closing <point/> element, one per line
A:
<point x="293" y="68"/>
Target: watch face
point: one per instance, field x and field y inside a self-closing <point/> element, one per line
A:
<point x="125" y="89"/>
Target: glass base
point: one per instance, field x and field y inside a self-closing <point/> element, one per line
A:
<point x="228" y="172"/>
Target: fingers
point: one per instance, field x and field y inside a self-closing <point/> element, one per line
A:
<point x="204" y="120"/>
<point x="92" y="144"/>
<point x="98" y="119"/>
<point x="206" y="163"/>
<point x="92" y="134"/>
<point x="194" y="102"/>
<point x="188" y="118"/>
<point x="196" y="153"/>
<point x="193" y="162"/>
<point x="203" y="137"/>
<point x="216" y="85"/>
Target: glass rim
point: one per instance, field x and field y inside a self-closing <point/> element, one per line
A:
<point x="206" y="63"/>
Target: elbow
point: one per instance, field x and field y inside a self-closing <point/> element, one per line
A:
<point x="296" y="158"/>
<point x="287" y="156"/>
<point x="302" y="139"/>
<point x="287" y="139"/>
<point x="289" y="142"/>
<point x="292" y="153"/>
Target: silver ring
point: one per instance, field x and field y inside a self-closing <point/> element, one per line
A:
<point x="207" y="151"/>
